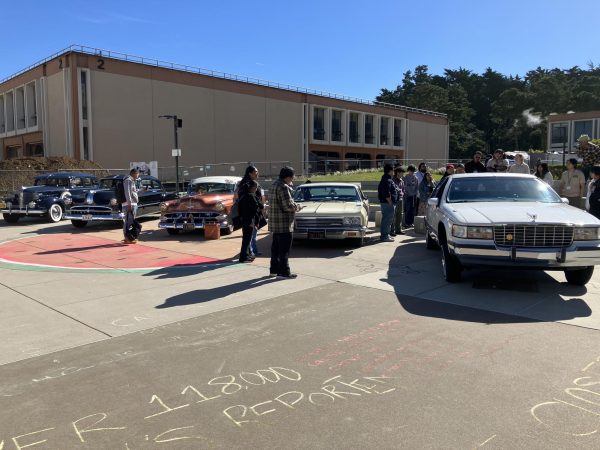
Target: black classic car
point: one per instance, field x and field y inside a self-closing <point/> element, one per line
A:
<point x="101" y="204"/>
<point x="48" y="197"/>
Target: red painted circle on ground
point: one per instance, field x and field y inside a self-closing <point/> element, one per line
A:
<point x="81" y="251"/>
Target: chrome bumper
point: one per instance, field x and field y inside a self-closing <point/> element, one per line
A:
<point x="484" y="253"/>
<point x="24" y="211"/>
<point x="189" y="226"/>
<point x="93" y="217"/>
<point x="330" y="233"/>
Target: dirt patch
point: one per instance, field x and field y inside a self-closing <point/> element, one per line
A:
<point x="18" y="172"/>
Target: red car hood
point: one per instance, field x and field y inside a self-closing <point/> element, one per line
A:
<point x="200" y="202"/>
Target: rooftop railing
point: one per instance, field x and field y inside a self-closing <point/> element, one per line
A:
<point x="213" y="73"/>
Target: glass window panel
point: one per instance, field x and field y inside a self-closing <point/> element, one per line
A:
<point x="354" y="134"/>
<point x="369" y="129"/>
<point x="336" y="125"/>
<point x="559" y="133"/>
<point x="319" y="124"/>
<point x="582" y="127"/>
<point x="383" y="132"/>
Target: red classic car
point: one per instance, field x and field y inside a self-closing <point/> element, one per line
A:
<point x="209" y="200"/>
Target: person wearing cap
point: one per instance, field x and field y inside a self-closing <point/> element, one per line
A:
<point x="388" y="197"/>
<point x="589" y="152"/>
<point x="282" y="213"/>
<point x="449" y="171"/>
<point x="497" y="163"/>
<point x="572" y="184"/>
<point x="475" y="165"/>
<point x="519" y="166"/>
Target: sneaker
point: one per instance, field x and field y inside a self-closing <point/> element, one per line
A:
<point x="388" y="239"/>
<point x="134" y="241"/>
<point x="245" y="261"/>
<point x="393" y="234"/>
<point x="289" y="275"/>
<point x="400" y="232"/>
<point x="272" y="274"/>
<point x="127" y="241"/>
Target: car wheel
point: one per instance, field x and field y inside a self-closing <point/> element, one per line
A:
<point x="55" y="213"/>
<point x="11" y="218"/>
<point x="451" y="266"/>
<point x="173" y="231"/>
<point x="430" y="242"/>
<point x="579" y="277"/>
<point x="79" y="223"/>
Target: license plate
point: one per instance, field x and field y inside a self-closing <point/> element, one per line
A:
<point x="189" y="227"/>
<point x="86" y="217"/>
<point x="316" y="235"/>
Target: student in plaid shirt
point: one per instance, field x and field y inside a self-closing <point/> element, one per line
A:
<point x="282" y="211"/>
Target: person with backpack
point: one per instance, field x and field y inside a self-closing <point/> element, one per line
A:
<point x="129" y="207"/>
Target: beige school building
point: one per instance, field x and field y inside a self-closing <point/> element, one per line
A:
<point x="105" y="106"/>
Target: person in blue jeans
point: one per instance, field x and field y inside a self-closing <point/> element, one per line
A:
<point x="388" y="197"/>
<point x="411" y="188"/>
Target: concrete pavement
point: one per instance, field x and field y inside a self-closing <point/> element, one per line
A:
<point x="368" y="348"/>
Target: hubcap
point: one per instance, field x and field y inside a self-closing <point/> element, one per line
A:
<point x="56" y="213"/>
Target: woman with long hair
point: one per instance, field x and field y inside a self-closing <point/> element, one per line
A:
<point x="251" y="174"/>
<point x="543" y="173"/>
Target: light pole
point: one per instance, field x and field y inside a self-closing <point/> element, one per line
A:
<point x="177" y="123"/>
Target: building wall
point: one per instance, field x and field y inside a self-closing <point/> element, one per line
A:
<point x="58" y="128"/>
<point x="427" y="141"/>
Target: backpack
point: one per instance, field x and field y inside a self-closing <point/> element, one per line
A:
<point x="120" y="192"/>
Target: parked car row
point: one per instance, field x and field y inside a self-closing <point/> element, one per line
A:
<point x="331" y="210"/>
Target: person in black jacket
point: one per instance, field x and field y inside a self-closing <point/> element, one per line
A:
<point x="249" y="209"/>
<point x="594" y="192"/>
<point x="388" y="197"/>
<point x="475" y="165"/>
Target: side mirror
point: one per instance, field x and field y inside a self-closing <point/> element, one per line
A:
<point x="434" y="201"/>
<point x="564" y="200"/>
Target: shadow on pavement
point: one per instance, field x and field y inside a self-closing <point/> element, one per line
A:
<point x="475" y="282"/>
<point x="206" y="295"/>
<point x="187" y="270"/>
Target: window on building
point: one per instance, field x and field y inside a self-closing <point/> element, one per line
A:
<point x="2" y="116"/>
<point x="398" y="140"/>
<point x="582" y="127"/>
<point x="34" y="149"/>
<point x="319" y="124"/>
<point x="559" y="133"/>
<point x="12" y="152"/>
<point x="354" y="125"/>
<point x="369" y="129"/>
<point x="336" y="125"/>
<point x="384" y="138"/>
<point x="86" y="143"/>
<point x="31" y="105"/>
<point x="9" y="100"/>
<point x="20" y="108"/>
<point x="84" y="99"/>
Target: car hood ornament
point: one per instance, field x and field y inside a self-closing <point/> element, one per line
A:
<point x="532" y="216"/>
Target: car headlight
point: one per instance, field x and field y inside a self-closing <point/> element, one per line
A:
<point x="351" y="220"/>
<point x="459" y="231"/>
<point x="219" y="206"/>
<point x="68" y="200"/>
<point x="163" y="207"/>
<point x="480" y="233"/>
<point x="586" y="233"/>
<point x="113" y="202"/>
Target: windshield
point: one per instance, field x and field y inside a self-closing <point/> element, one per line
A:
<point x="500" y="189"/>
<point x="212" y="188"/>
<point x="326" y="194"/>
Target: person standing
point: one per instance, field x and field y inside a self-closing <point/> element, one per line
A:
<point x="420" y="174"/>
<point x="425" y="189"/>
<point x="593" y="197"/>
<point x="281" y="222"/>
<point x="388" y="196"/>
<point x="519" y="166"/>
<point x="543" y="173"/>
<point x="249" y="208"/>
<point x="572" y="184"/>
<point x="399" y="209"/>
<point x="475" y="165"/>
<point x="411" y="187"/>
<point x="497" y="163"/>
<point x="589" y="152"/>
<point x="251" y="174"/>
<point x="130" y="205"/>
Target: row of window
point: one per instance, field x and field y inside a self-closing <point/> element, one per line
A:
<point x="569" y="132"/>
<point x="19" y="110"/>
<point x="343" y="127"/>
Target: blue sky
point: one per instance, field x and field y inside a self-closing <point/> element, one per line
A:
<point x="348" y="47"/>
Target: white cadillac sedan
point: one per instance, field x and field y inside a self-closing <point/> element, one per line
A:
<point x="510" y="221"/>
